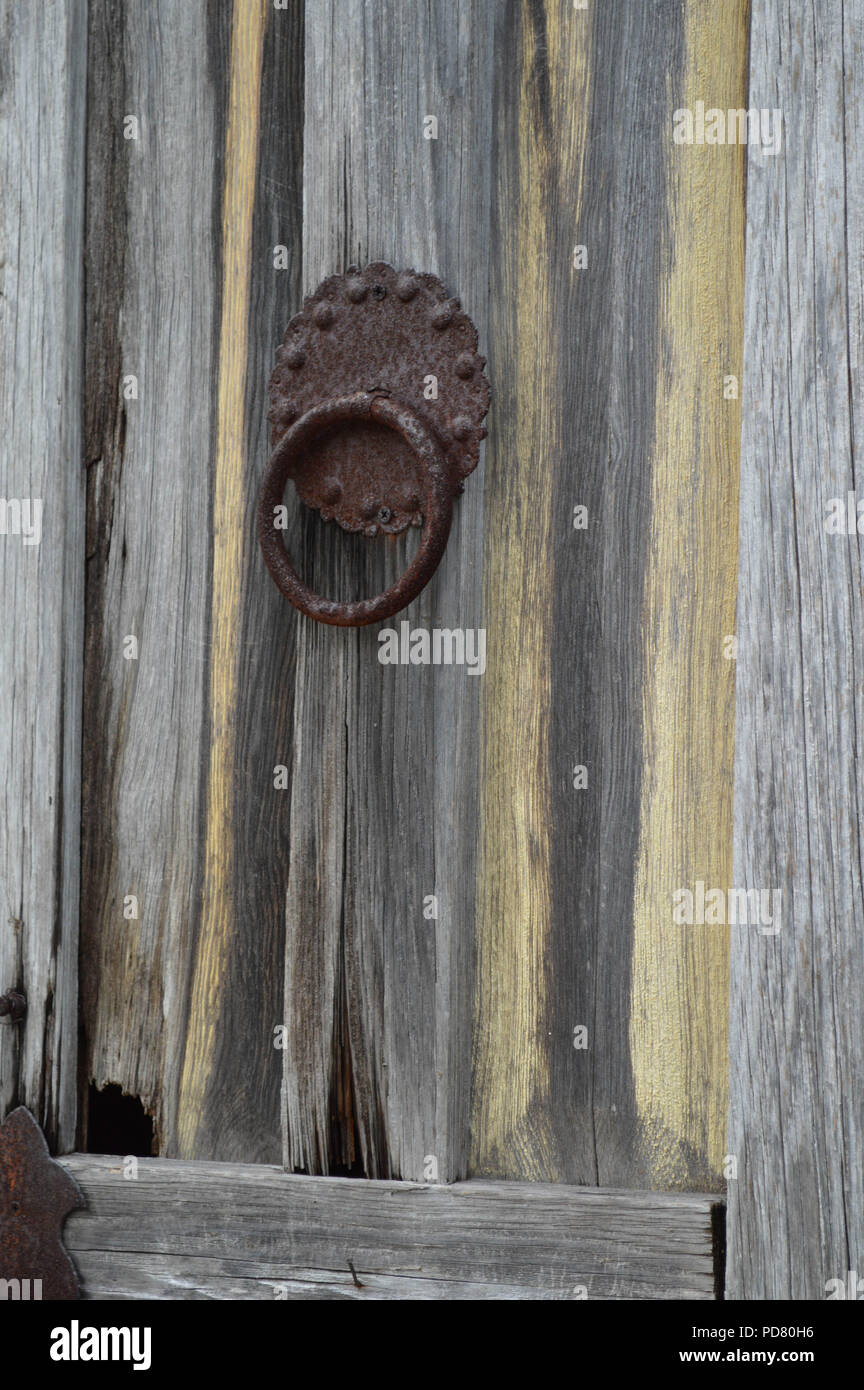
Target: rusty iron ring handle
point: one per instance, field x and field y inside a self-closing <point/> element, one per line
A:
<point x="438" y="513"/>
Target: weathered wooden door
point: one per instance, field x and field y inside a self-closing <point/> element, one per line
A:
<point x="408" y="924"/>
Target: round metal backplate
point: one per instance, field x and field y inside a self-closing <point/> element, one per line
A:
<point x="395" y="333"/>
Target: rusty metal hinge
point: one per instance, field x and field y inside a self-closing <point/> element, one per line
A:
<point x="36" y="1195"/>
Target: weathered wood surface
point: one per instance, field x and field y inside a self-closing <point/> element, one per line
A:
<point x="796" y="1217"/>
<point x="230" y="1061"/>
<point x="211" y="1230"/>
<point x="415" y="1047"/>
<point x="179" y="807"/>
<point x="378" y="997"/>
<point x="606" y="644"/>
<point x="42" y="76"/>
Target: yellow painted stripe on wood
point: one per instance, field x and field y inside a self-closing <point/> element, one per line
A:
<point x="229" y="550"/>
<point x="679" y="982"/>
<point x="514" y="885"/>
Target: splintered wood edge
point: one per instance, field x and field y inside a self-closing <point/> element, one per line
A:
<point x="169" y="1229"/>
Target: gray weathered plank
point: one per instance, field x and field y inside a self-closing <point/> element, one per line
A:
<point x="796" y="1216"/>
<point x="42" y="77"/>
<point x="211" y="1230"/>
<point x="378" y="998"/>
<point x="180" y="810"/>
<point x="152" y="313"/>
<point x="115" y="1276"/>
<point x="243" y="1070"/>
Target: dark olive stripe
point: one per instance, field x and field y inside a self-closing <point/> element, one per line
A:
<point x="607" y="359"/>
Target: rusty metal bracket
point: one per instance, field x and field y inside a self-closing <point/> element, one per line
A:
<point x="36" y="1195"/>
<point x="377" y="405"/>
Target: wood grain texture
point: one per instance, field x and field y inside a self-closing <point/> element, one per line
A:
<point x="180" y="809"/>
<point x="680" y="974"/>
<point x="384" y="794"/>
<point x="415" y="1047"/>
<point x="202" y="1230"/>
<point x="42" y="75"/>
<point x="606" y="643"/>
<point x="233" y="1084"/>
<point x="796" y="1218"/>
<point x="541" y="114"/>
<point x="149" y="551"/>
<point x="229" y="554"/>
<point x="247" y="1078"/>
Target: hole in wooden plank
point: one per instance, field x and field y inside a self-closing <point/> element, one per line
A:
<point x="117" y="1123"/>
<point x="346" y="1161"/>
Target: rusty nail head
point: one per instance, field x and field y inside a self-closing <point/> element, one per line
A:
<point x="14" y="1005"/>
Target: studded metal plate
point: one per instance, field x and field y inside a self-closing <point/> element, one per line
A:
<point x="396" y="333"/>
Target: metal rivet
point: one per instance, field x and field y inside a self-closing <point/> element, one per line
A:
<point x="331" y="490"/>
<point x="324" y="314"/>
<point x="442" y="315"/>
<point x="295" y="356"/>
<point x="356" y="291"/>
<point x="406" y="287"/>
<point x="461" y="427"/>
<point x="14" y="1004"/>
<point x="464" y="365"/>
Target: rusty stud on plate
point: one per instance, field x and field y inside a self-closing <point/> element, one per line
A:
<point x="324" y="315"/>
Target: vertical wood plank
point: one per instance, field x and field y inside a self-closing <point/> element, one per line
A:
<point x="180" y="1004"/>
<point x="795" y="1217"/>
<point x="241" y="1073"/>
<point x="606" y="644"/>
<point x="542" y="118"/>
<point x="378" y="998"/>
<point x="679" y="974"/>
<point x="231" y="552"/>
<point x="153" y="260"/>
<point x="42" y="80"/>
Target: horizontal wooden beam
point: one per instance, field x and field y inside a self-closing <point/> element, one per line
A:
<point x="168" y="1229"/>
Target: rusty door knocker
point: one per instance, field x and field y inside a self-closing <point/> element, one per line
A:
<point x="377" y="403"/>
